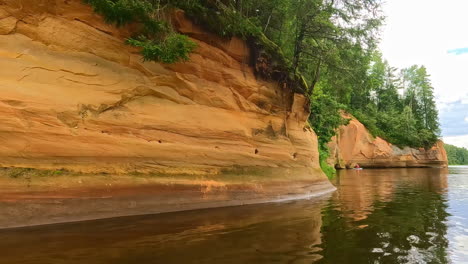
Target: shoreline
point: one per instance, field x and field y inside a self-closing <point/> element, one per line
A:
<point x="43" y="200"/>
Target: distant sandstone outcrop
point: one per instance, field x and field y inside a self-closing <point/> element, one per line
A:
<point x="355" y="145"/>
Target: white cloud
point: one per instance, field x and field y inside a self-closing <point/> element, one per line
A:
<point x="459" y="141"/>
<point x="466" y="119"/>
<point x="422" y="32"/>
<point x="464" y="100"/>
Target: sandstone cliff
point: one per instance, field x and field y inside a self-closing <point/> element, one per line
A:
<point x="355" y="145"/>
<point x="73" y="96"/>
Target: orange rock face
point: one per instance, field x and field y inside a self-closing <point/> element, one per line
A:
<point x="355" y="145"/>
<point x="139" y="137"/>
<point x="74" y="96"/>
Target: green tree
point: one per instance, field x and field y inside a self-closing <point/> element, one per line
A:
<point x="419" y="96"/>
<point x="325" y="119"/>
<point x="456" y="155"/>
<point x="404" y="119"/>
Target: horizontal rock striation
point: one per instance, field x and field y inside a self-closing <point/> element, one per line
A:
<point x="73" y="96"/>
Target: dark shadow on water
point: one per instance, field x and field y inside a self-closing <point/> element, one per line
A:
<point x="388" y="216"/>
<point x="267" y="233"/>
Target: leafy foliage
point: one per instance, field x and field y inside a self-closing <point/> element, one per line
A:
<point x="122" y="12"/>
<point x="173" y="48"/>
<point x="236" y="18"/>
<point x="456" y="155"/>
<point x="326" y="168"/>
<point x="157" y="39"/>
<point x="399" y="107"/>
<point x="325" y="119"/>
<point x="217" y="17"/>
<point x="302" y="39"/>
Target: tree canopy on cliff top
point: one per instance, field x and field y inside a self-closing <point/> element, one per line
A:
<point x="311" y="35"/>
<point x="397" y="105"/>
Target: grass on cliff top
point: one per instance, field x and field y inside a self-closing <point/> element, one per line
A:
<point x="157" y="40"/>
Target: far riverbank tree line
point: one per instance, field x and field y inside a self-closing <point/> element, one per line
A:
<point x="456" y="155"/>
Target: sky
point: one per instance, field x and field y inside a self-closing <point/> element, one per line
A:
<point x="434" y="33"/>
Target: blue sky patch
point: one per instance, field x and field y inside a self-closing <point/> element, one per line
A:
<point x="453" y="121"/>
<point x="458" y="51"/>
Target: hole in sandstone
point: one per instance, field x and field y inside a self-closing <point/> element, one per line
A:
<point x="256" y="151"/>
<point x="216" y="147"/>
<point x="294" y="155"/>
<point x="159" y="141"/>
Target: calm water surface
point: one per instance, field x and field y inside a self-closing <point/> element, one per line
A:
<point x="376" y="216"/>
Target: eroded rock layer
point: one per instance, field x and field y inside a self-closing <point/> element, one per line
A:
<point x="355" y="145"/>
<point x="73" y="96"/>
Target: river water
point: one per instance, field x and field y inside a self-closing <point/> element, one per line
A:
<point x="375" y="216"/>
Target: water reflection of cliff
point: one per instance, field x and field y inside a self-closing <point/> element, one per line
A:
<point x="359" y="189"/>
<point x="388" y="216"/>
<point x="268" y="233"/>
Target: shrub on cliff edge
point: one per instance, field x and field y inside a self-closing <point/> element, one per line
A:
<point x="157" y="40"/>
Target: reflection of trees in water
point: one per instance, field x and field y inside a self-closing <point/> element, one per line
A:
<point x="408" y="228"/>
